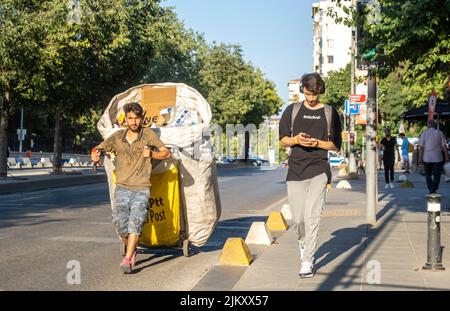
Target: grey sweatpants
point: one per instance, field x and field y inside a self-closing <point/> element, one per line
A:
<point x="306" y="199"/>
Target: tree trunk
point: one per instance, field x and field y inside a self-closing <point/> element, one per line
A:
<point x="4" y="118"/>
<point x="247" y="145"/>
<point x="57" y="146"/>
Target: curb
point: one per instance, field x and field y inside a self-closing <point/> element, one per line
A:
<point x="54" y="182"/>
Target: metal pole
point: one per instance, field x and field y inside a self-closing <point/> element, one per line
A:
<point x="371" y="156"/>
<point x="352" y="165"/>
<point x="434" y="248"/>
<point x="21" y="130"/>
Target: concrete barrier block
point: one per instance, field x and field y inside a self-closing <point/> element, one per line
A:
<point x="286" y="212"/>
<point x="344" y="184"/>
<point x="235" y="253"/>
<point x="276" y="222"/>
<point x="259" y="234"/>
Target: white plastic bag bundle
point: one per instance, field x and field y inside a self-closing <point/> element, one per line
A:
<point x="186" y="124"/>
<point x="447" y="170"/>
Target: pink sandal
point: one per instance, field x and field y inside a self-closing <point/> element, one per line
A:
<point x="126" y="266"/>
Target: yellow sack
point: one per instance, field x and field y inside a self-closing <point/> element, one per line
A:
<point x="162" y="227"/>
<point x="163" y="224"/>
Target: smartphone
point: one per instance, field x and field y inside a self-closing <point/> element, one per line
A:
<point x="306" y="136"/>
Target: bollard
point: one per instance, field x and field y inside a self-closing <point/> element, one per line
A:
<point x="434" y="248"/>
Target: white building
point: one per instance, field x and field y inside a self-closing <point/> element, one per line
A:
<point x="294" y="91"/>
<point x="332" y="41"/>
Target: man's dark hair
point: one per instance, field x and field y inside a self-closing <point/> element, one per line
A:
<point x="134" y="108"/>
<point x="432" y="124"/>
<point x="402" y="134"/>
<point x="313" y="82"/>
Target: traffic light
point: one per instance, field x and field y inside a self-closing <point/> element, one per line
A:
<point x="352" y="138"/>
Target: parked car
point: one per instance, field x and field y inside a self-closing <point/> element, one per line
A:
<point x="258" y="161"/>
<point x="227" y="161"/>
<point x="335" y="159"/>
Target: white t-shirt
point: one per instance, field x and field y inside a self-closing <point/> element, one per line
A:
<point x="432" y="141"/>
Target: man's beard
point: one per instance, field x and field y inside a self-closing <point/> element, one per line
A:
<point x="312" y="102"/>
<point x="136" y="130"/>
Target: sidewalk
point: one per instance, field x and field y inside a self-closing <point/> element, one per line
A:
<point x="350" y="253"/>
<point x="25" y="180"/>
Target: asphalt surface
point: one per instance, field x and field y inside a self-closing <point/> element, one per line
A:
<point x="45" y="235"/>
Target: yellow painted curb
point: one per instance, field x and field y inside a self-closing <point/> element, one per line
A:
<point x="407" y="185"/>
<point x="235" y="253"/>
<point x="276" y="222"/>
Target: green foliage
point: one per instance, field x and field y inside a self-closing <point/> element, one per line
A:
<point x="57" y="59"/>
<point x="337" y="88"/>
<point x="237" y="92"/>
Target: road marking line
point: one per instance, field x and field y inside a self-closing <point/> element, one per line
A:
<point x="233" y="228"/>
<point x="84" y="239"/>
<point x="279" y="202"/>
<point x="226" y="179"/>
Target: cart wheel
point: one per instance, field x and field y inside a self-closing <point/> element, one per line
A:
<point x="186" y="248"/>
<point x="123" y="250"/>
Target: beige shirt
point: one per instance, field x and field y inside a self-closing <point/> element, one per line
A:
<point x="132" y="169"/>
<point x="433" y="142"/>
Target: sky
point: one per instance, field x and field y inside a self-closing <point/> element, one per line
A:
<point x="275" y="35"/>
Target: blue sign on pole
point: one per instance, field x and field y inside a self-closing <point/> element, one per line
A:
<point x="351" y="108"/>
<point x="354" y="108"/>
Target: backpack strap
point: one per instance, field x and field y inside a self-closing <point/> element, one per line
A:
<point x="295" y="109"/>
<point x="328" y="116"/>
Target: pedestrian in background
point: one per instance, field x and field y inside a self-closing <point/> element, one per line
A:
<point x="310" y="129"/>
<point x="389" y="147"/>
<point x="405" y="151"/>
<point x="433" y="153"/>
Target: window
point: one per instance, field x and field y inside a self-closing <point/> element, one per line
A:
<point x="330" y="43"/>
<point x="330" y="59"/>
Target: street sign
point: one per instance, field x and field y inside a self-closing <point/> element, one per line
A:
<point x="352" y="138"/>
<point x="361" y="119"/>
<point x="432" y="105"/>
<point x="352" y="108"/>
<point x="345" y="136"/>
<point x="358" y="98"/>
<point x="21" y="136"/>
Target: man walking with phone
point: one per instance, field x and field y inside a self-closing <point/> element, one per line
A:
<point x="310" y="129"/>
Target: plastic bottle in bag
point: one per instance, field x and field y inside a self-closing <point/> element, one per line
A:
<point x="185" y="118"/>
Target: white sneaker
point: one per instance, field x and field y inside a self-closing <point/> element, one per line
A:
<point x="391" y="185"/>
<point x="387" y="186"/>
<point x="307" y="270"/>
<point x="302" y="252"/>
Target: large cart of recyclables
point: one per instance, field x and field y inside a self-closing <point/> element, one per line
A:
<point x="185" y="206"/>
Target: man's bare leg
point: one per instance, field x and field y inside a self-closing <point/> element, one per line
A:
<point x="125" y="242"/>
<point x="132" y="243"/>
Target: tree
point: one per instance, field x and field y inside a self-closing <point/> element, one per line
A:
<point x="18" y="55"/>
<point x="337" y="88"/>
<point x="237" y="92"/>
<point x="84" y="62"/>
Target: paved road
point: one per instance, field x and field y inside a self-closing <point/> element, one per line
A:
<point x="41" y="232"/>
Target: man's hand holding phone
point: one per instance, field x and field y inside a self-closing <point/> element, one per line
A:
<point x="306" y="140"/>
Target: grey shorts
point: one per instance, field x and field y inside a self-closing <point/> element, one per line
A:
<point x="130" y="210"/>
